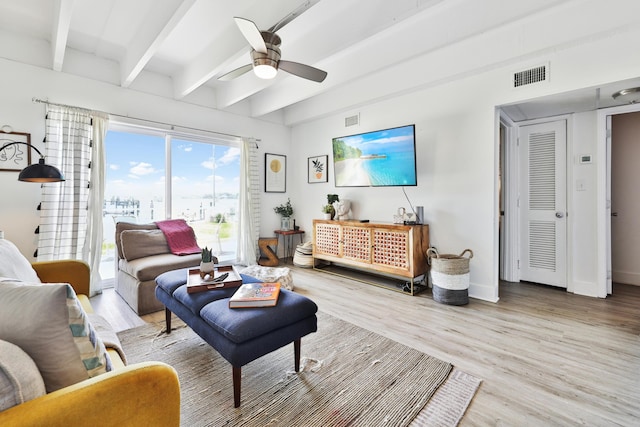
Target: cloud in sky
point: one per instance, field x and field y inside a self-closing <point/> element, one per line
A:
<point x="141" y="168"/>
<point x="230" y="155"/>
<point x="207" y="164"/>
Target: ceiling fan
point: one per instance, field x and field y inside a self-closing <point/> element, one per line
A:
<point x="265" y="55"/>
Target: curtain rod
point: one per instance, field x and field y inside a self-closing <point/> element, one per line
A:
<point x="42" y="101"/>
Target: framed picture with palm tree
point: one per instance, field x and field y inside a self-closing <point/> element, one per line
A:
<point x="317" y="167"/>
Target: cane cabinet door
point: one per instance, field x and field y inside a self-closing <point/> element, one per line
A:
<point x="326" y="239"/>
<point x="356" y="243"/>
<point x="391" y="248"/>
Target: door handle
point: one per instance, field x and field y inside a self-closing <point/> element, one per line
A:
<point x="559" y="214"/>
<point x="614" y="213"/>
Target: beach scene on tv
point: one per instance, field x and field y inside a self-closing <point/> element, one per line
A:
<point x="381" y="158"/>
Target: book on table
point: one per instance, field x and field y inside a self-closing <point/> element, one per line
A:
<point x="224" y="276"/>
<point x="255" y="295"/>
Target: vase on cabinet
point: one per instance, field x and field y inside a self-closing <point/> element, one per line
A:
<point x="285" y="223"/>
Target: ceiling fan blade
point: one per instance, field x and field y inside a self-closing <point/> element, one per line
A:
<point x="304" y="71"/>
<point x="235" y="73"/>
<point x="251" y="32"/>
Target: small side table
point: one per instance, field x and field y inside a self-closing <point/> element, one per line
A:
<point x="268" y="257"/>
<point x="287" y="240"/>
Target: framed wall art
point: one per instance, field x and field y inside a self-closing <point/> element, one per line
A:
<point x="275" y="173"/>
<point x="317" y="169"/>
<point x="16" y="157"/>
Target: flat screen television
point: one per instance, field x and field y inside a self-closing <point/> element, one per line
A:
<point x="380" y="158"/>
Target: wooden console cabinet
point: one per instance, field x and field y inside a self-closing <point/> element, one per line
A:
<point x="392" y="249"/>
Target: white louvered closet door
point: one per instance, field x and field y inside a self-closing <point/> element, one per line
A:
<point x="543" y="203"/>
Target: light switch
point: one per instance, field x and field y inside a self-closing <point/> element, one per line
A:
<point x="580" y="185"/>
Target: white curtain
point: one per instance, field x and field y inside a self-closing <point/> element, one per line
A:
<point x="249" y="204"/>
<point x="71" y="211"/>
<point x="94" y="237"/>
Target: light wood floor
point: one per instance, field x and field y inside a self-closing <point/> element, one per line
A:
<point x="546" y="357"/>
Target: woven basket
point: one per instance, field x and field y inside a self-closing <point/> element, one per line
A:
<point x="450" y="277"/>
<point x="303" y="256"/>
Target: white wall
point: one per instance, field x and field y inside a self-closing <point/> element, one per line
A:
<point x="20" y="83"/>
<point x="457" y="145"/>
<point x="455" y="174"/>
<point x="582" y="205"/>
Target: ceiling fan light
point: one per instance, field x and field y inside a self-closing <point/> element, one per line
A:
<point x="265" y="71"/>
<point x="265" y="66"/>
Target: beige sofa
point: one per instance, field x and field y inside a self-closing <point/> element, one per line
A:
<point x="143" y="254"/>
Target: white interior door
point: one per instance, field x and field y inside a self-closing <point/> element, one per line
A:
<point x="543" y="201"/>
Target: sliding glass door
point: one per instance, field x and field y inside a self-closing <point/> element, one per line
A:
<point x="153" y="175"/>
<point x="204" y="191"/>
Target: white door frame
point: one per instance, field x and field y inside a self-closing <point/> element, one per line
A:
<point x="603" y="197"/>
<point x="511" y="185"/>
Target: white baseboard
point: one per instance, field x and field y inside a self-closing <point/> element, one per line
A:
<point x="626" y="277"/>
<point x="483" y="292"/>
<point x="587" y="289"/>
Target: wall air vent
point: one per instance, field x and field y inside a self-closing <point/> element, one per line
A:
<point x="530" y="76"/>
<point x="352" y="120"/>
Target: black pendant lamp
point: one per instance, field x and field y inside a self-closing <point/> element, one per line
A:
<point x="37" y="172"/>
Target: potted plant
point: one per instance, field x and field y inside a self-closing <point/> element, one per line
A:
<point x="285" y="210"/>
<point x="319" y="167"/>
<point x="207" y="262"/>
<point x="331" y="198"/>
<point x="328" y="211"/>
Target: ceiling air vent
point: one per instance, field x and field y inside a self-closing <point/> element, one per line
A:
<point x="352" y="120"/>
<point x="532" y="75"/>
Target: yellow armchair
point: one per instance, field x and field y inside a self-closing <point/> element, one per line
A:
<point x="141" y="394"/>
<point x="74" y="272"/>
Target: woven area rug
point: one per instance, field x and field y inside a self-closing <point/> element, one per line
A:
<point x="349" y="377"/>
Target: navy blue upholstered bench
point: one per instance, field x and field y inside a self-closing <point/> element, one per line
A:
<point x="239" y="335"/>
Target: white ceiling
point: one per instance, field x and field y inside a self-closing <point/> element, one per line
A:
<point x="179" y="48"/>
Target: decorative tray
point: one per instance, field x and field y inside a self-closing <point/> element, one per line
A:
<point x="224" y="276"/>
